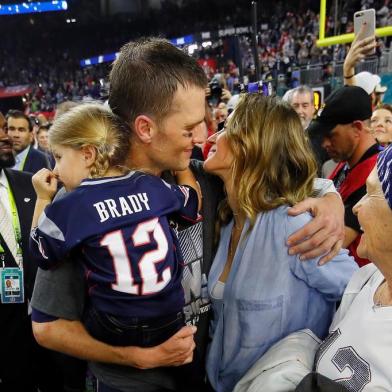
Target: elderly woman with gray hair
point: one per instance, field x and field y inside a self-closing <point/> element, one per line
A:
<point x="356" y="354"/>
<point x="358" y="350"/>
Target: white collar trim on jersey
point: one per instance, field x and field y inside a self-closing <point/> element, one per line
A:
<point x="94" y="181"/>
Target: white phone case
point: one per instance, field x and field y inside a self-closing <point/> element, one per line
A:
<point x="368" y="16"/>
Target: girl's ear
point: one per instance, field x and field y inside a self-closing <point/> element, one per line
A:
<point x="89" y="154"/>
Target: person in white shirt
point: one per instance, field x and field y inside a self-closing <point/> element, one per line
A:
<point x="358" y="350"/>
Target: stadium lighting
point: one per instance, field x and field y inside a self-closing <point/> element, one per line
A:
<point x="33" y="7"/>
<point x="105" y="58"/>
<point x="192" y="48"/>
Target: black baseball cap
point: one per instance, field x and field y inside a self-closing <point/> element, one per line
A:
<point x="343" y="106"/>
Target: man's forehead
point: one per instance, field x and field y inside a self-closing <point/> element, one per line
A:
<point x="17" y="121"/>
<point x="382" y="113"/>
<point x="187" y="92"/>
<point x="190" y="102"/>
<point x="335" y="129"/>
<point x="339" y="128"/>
<point x="301" y="97"/>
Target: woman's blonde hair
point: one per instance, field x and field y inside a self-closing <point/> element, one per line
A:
<point x="273" y="161"/>
<point x="93" y="124"/>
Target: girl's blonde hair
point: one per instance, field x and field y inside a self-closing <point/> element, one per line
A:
<point x="93" y="124"/>
<point x="273" y="161"/>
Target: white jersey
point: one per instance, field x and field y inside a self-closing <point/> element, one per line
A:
<point x="358" y="351"/>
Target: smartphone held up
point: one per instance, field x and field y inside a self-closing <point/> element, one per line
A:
<point x="365" y="25"/>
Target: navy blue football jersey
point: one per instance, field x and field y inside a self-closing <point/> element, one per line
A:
<point x="119" y="228"/>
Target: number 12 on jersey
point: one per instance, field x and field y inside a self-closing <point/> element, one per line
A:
<point x="151" y="282"/>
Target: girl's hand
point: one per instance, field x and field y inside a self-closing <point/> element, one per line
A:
<point x="45" y="184"/>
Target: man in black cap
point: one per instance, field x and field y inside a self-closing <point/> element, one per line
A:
<point x="343" y="122"/>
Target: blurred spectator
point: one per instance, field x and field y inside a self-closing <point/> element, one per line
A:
<point x="2" y="121"/>
<point x="42" y="138"/>
<point x="383" y="14"/>
<point x="212" y="127"/>
<point x="221" y="113"/>
<point x="381" y="124"/>
<point x="20" y="131"/>
<point x="302" y="100"/>
<point x="379" y="92"/>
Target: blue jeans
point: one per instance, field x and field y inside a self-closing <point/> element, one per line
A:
<point x="132" y="331"/>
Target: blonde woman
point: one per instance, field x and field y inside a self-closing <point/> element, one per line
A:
<point x="259" y="292"/>
<point x="115" y="221"/>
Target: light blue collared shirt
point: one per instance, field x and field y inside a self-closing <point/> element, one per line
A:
<point x="21" y="158"/>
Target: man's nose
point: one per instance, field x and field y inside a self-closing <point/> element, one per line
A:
<point x="197" y="135"/>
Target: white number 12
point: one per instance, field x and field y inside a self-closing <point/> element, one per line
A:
<point x="151" y="282"/>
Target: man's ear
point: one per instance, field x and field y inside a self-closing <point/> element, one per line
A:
<point x="358" y="126"/>
<point x="89" y="154"/>
<point x="144" y="127"/>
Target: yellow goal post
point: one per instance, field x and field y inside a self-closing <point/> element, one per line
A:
<point x="343" y="38"/>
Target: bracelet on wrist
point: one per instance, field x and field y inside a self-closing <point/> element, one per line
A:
<point x="349" y="77"/>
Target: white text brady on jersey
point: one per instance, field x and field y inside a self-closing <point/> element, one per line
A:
<point x="110" y="208"/>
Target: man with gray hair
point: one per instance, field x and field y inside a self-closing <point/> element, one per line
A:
<point x="301" y="99"/>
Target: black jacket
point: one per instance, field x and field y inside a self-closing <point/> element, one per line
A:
<point x="35" y="161"/>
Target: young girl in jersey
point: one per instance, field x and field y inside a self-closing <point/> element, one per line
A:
<point x="116" y="222"/>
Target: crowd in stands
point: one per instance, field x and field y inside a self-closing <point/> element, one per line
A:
<point x="104" y="255"/>
<point x="286" y="40"/>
